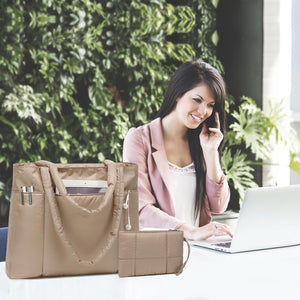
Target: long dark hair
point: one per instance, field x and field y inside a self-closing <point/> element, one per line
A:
<point x="188" y="76"/>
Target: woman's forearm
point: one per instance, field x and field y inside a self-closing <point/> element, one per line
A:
<point x="213" y="167"/>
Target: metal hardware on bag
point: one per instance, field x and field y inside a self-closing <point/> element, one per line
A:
<point x="23" y="190"/>
<point x="30" y="191"/>
<point x="126" y="206"/>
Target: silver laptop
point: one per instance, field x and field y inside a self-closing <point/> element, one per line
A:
<point x="269" y="218"/>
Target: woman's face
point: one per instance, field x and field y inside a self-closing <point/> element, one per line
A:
<point x="195" y="106"/>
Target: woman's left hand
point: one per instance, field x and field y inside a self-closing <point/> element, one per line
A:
<point x="206" y="231"/>
<point x="211" y="138"/>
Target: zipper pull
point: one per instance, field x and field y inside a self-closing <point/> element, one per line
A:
<point x="126" y="206"/>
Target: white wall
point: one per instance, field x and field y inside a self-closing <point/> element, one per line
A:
<point x="295" y="80"/>
<point x="277" y="79"/>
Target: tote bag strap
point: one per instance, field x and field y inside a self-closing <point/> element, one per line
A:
<point x="111" y="174"/>
<point x="48" y="171"/>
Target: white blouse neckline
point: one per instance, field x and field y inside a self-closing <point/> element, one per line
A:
<point x="187" y="169"/>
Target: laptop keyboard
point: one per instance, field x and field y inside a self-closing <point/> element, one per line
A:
<point x="225" y="245"/>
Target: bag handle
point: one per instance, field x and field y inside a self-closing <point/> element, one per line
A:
<point x="179" y="271"/>
<point x="111" y="182"/>
<point x="49" y="170"/>
<point x="111" y="176"/>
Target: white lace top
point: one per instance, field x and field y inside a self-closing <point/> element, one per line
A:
<point x="184" y="192"/>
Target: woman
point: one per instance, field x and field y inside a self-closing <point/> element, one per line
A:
<point x="180" y="178"/>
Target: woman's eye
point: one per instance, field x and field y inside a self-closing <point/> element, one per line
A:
<point x="198" y="100"/>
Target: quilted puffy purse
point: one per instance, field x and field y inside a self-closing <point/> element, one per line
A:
<point x="151" y="253"/>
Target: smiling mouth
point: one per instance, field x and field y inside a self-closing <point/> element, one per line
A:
<point x="196" y="119"/>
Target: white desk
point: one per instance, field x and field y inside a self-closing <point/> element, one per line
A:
<point x="268" y="274"/>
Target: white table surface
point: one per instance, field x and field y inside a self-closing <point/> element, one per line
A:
<point x="268" y="274"/>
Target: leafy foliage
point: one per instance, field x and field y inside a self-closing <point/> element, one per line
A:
<point x="280" y="127"/>
<point x="250" y="127"/>
<point x="24" y="102"/>
<point x="238" y="169"/>
<point x="295" y="163"/>
<point x="252" y="133"/>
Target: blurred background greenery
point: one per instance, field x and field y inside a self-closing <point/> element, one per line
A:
<point x="75" y="75"/>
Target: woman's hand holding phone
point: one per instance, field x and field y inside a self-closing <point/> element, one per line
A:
<point x="211" y="137"/>
<point x="210" y="140"/>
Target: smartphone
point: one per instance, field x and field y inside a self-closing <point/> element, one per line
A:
<point x="211" y="122"/>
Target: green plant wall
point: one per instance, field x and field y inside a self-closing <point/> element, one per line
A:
<point x="75" y="75"/>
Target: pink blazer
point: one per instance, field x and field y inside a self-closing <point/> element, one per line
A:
<point x="145" y="147"/>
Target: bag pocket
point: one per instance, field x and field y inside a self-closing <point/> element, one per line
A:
<point x="84" y="226"/>
<point x="26" y="227"/>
